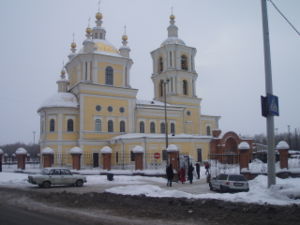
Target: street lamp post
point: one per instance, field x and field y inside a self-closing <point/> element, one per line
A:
<point x="269" y="92"/>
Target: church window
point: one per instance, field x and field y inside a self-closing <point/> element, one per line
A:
<point x="161" y="88"/>
<point x="199" y="155"/>
<point x="132" y="158"/>
<point x="160" y="65"/>
<point x="109" y="108"/>
<point x="185" y="87"/>
<point x="142" y="127"/>
<point x="188" y="113"/>
<point x="162" y="128"/>
<point x="152" y="127"/>
<point x="96" y="35"/>
<point x="97" y="125"/>
<point x="122" y="109"/>
<point x="170" y="58"/>
<point x="173" y="128"/>
<point x="208" y="131"/>
<point x="52" y="125"/>
<point x="98" y="108"/>
<point x="109" y="75"/>
<point x="184" y="62"/>
<point x="122" y="126"/>
<point x="110" y="126"/>
<point x="86" y="71"/>
<point x="70" y="125"/>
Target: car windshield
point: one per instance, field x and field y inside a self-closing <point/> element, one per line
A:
<point x="222" y="177"/>
<point x="45" y="172"/>
<point x="237" y="178"/>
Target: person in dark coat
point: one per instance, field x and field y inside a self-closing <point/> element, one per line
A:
<point x="170" y="175"/>
<point x="206" y="168"/>
<point x="182" y="175"/>
<point x="190" y="173"/>
<point x="198" y="170"/>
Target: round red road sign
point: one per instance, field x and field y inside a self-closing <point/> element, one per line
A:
<point x="156" y="155"/>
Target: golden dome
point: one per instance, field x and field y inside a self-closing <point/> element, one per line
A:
<point x="99" y="16"/>
<point x="88" y="30"/>
<point x="63" y="72"/>
<point x="124" y="37"/>
<point x="172" y="17"/>
<point x="73" y="45"/>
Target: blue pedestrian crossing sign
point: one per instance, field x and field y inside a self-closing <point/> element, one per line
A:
<point x="269" y="105"/>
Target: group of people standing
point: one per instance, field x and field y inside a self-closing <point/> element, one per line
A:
<point x="182" y="173"/>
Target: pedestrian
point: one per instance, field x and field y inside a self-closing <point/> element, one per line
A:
<point x="206" y="168"/>
<point x="170" y="175"/>
<point x="182" y="175"/>
<point x="190" y="173"/>
<point x="198" y="170"/>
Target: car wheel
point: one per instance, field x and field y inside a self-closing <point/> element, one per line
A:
<point x="79" y="183"/>
<point x="223" y="189"/>
<point x="46" y="184"/>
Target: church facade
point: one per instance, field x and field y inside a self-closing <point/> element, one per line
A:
<point x="96" y="109"/>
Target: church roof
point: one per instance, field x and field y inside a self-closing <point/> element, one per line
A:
<point x="103" y="47"/>
<point x="172" y="40"/>
<point x="61" y="99"/>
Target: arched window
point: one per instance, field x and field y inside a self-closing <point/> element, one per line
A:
<point x="97" y="125"/>
<point x="122" y="126"/>
<point x="173" y="128"/>
<point x="110" y="126"/>
<point x="70" y="125"/>
<point x="160" y="65"/>
<point x="52" y="125"/>
<point x="184" y="62"/>
<point x="185" y="87"/>
<point x="142" y="127"/>
<point x="162" y="128"/>
<point x="152" y="127"/>
<point x="208" y="131"/>
<point x="161" y="88"/>
<point x="109" y="75"/>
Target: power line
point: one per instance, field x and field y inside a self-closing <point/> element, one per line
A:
<point x="293" y="27"/>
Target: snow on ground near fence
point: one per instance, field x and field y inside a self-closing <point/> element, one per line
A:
<point x="283" y="193"/>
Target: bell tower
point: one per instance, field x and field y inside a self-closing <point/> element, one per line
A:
<point x="174" y="68"/>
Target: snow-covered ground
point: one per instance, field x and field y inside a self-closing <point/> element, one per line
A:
<point x="284" y="192"/>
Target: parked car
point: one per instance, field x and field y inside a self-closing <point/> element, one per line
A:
<point x="229" y="182"/>
<point x="56" y="176"/>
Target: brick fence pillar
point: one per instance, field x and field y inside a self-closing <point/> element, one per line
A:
<point x="173" y="156"/>
<point x="283" y="149"/>
<point x="21" y="154"/>
<point x="138" y="157"/>
<point x="48" y="155"/>
<point x="244" y="155"/>
<point x="76" y="153"/>
<point x="106" y="152"/>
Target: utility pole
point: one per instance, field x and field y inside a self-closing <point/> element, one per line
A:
<point x="269" y="92"/>
<point x="33" y="136"/>
<point x="166" y="118"/>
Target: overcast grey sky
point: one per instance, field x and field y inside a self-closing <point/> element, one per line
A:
<point x="36" y="35"/>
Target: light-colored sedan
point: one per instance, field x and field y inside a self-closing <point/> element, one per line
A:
<point x="229" y="182"/>
<point x="56" y="176"/>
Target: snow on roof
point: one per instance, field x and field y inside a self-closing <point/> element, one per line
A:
<point x="172" y="40"/>
<point x="172" y="148"/>
<point x="21" y="151"/>
<point x="282" y="145"/>
<point x="1" y="152"/>
<point x="147" y="135"/>
<point x="76" y="150"/>
<point x="48" y="151"/>
<point x="150" y="102"/>
<point x="138" y="149"/>
<point x="61" y="99"/>
<point x="106" y="149"/>
<point x="244" y="146"/>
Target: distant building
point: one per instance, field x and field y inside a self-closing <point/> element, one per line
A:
<point x="96" y="106"/>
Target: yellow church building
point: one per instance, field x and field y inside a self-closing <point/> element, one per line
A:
<point x="96" y="110"/>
